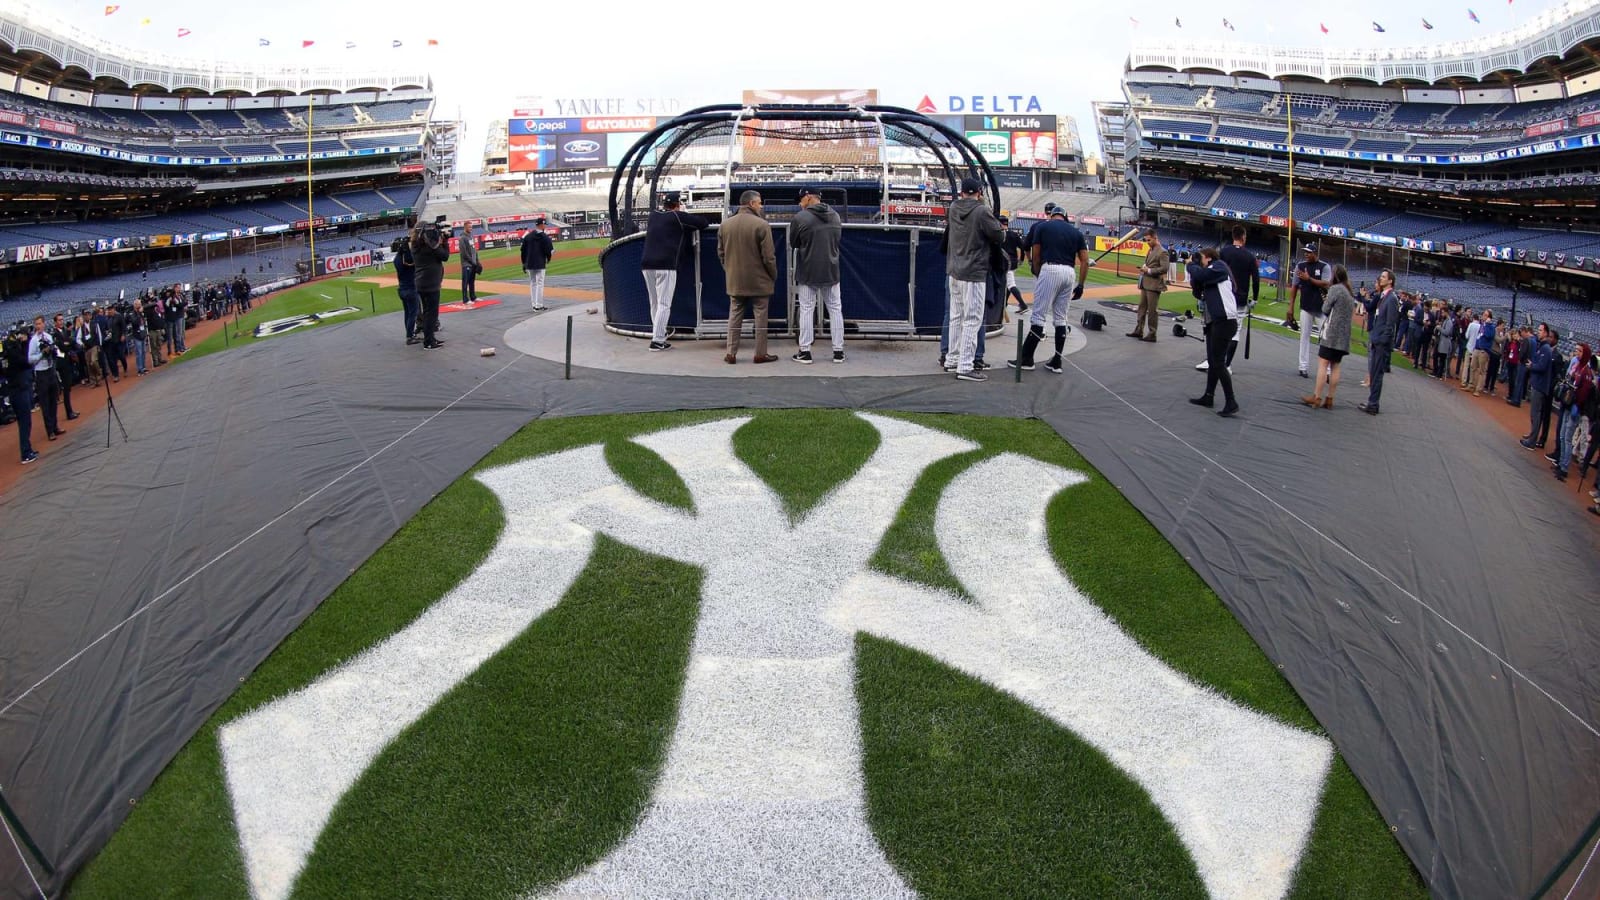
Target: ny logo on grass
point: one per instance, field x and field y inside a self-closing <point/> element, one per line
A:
<point x="761" y="793"/>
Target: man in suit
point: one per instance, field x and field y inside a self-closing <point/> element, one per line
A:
<point x="744" y="245"/>
<point x="1381" y="332"/>
<point x="1152" y="282"/>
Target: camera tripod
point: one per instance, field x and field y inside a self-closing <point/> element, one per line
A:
<point x="111" y="413"/>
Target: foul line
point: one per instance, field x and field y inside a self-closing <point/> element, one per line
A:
<point x="25" y="867"/>
<point x="1348" y="552"/>
<point x="247" y="538"/>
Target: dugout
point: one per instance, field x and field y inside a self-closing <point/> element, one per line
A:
<point x="892" y="280"/>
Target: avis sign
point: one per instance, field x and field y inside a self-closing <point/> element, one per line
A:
<point x="761" y="793"/>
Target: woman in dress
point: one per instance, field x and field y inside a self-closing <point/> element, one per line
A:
<point x="1340" y="309"/>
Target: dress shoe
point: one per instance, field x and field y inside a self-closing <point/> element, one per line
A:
<point x="1206" y="401"/>
<point x="1134" y="334"/>
<point x="71" y="416"/>
<point x="730" y="359"/>
<point x="1369" y="410"/>
<point x="1227" y="412"/>
<point x="768" y="358"/>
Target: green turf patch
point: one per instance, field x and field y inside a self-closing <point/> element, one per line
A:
<point x="542" y="759"/>
<point x="536" y="765"/>
<point x="368" y="298"/>
<point x="506" y="264"/>
<point x="956" y="793"/>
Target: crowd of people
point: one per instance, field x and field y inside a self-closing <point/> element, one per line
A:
<point x="45" y="360"/>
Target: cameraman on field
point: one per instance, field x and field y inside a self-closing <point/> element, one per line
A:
<point x="405" y="272"/>
<point x="42" y="357"/>
<point x="19" y="388"/>
<point x="69" y="367"/>
<point x="430" y="249"/>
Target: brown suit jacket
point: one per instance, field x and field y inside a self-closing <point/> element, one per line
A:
<point x="1155" y="261"/>
<point x="744" y="244"/>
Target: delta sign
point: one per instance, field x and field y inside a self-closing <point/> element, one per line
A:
<point x="982" y="103"/>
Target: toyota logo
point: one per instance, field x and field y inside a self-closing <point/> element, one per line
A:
<point x="582" y="146"/>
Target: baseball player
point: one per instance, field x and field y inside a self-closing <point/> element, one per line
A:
<point x="1059" y="259"/>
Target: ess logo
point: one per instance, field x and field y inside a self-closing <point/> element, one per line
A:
<point x="582" y="146"/>
<point x="761" y="792"/>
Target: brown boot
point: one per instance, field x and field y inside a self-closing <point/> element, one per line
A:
<point x="1134" y="334"/>
<point x="1327" y="402"/>
<point x="1311" y="401"/>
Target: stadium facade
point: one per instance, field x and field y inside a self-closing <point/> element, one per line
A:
<point x="1473" y="162"/>
<point x="120" y="162"/>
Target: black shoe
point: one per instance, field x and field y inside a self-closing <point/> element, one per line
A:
<point x="1021" y="307"/>
<point x="658" y="346"/>
<point x="1560" y="475"/>
<point x="979" y="365"/>
<point x="71" y="416"/>
<point x="838" y="356"/>
<point x="1024" y="366"/>
<point x="803" y="357"/>
<point x="413" y="340"/>
<point x="1228" y="411"/>
<point x="1369" y="410"/>
<point x="1207" y="401"/>
<point x="433" y="346"/>
<point x="1304" y="374"/>
<point x="1550" y="457"/>
<point x="1054" y="365"/>
<point x="29" y="458"/>
<point x="971" y="376"/>
<point x="1526" y="444"/>
<point x="941" y="361"/>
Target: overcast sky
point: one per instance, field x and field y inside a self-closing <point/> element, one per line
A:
<point x="709" y="51"/>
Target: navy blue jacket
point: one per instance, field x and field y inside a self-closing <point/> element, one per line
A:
<point x="1207" y="282"/>
<point x="1539" y="367"/>
<point x="537" y="248"/>
<point x="1385" y="316"/>
<point x="667" y="238"/>
<point x="405" y="268"/>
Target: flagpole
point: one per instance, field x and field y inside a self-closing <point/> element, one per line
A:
<point x="1288" y="257"/>
<point x="311" y="214"/>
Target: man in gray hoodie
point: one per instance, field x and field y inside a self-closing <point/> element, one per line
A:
<point x="469" y="266"/>
<point x="971" y="229"/>
<point x="814" y="235"/>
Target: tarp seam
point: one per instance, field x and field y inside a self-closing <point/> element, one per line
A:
<point x="1363" y="563"/>
<point x="249" y="537"/>
<point x="22" y="856"/>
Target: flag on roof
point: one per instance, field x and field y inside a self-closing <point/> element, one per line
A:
<point x="183" y="32"/>
<point x="1134" y="22"/>
<point x="143" y="22"/>
<point x="1474" y="17"/>
<point x="1378" y="28"/>
<point x="1178" y="22"/>
<point x="263" y="42"/>
<point x="349" y="45"/>
<point x="112" y="9"/>
<point x="305" y="44"/>
<point x="1426" y="24"/>
<point x="395" y="44"/>
<point x="1323" y="26"/>
<point x="1228" y="25"/>
<point x="432" y="42"/>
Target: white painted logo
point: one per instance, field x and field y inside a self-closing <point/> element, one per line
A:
<point x="761" y="793"/>
<point x="582" y="146"/>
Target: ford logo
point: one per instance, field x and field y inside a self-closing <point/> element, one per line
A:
<point x="582" y="146"/>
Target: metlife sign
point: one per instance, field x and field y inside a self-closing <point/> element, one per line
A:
<point x="1010" y="123"/>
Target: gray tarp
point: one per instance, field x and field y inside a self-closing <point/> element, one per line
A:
<point x="1421" y="581"/>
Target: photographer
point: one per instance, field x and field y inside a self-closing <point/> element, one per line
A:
<point x="175" y="323"/>
<point x="134" y="327"/>
<point x="89" y="346"/>
<point x="70" y="366"/>
<point x="155" y="328"/>
<point x="405" y="273"/>
<point x="19" y="388"/>
<point x="110" y="352"/>
<point x="42" y="356"/>
<point x="430" y="249"/>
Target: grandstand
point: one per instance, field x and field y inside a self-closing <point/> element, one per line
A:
<point x="1472" y="178"/>
<point x="108" y="183"/>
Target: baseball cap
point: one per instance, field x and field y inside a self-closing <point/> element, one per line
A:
<point x="671" y="197"/>
<point x="1049" y="207"/>
<point x="809" y="192"/>
<point x="1310" y="248"/>
<point x="970" y="185"/>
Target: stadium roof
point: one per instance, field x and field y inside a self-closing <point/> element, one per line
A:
<point x="1542" y="48"/>
<point x="33" y="39"/>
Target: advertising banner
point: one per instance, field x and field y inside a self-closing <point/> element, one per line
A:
<point x="1587" y="119"/>
<point x="411" y="168"/>
<point x="33" y="253"/>
<point x="1029" y="214"/>
<point x="1033" y="149"/>
<point x="58" y="127"/>
<point x="161" y="240"/>
<point x="913" y="209"/>
<point x="580" y="151"/>
<point x="1275" y="221"/>
<point x="346" y="262"/>
<point x="994" y="145"/>
<point x="531" y="153"/>
<point x="630" y="123"/>
<point x="1012" y="123"/>
<point x="1103" y="243"/>
<point x="1455" y="248"/>
<point x="1009" y="179"/>
<point x="526" y="126"/>
<point x="1555" y="126"/>
<point x="12" y="118"/>
<point x="1093" y="220"/>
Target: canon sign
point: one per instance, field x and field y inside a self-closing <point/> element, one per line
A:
<point x="346" y="262"/>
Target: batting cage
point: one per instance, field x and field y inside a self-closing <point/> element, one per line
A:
<point x="887" y="171"/>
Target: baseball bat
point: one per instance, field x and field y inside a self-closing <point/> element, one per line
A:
<point x="1120" y="241"/>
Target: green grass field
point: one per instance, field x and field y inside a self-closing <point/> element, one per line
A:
<point x="505" y="264"/>
<point x="318" y="296"/>
<point x="533" y="767"/>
